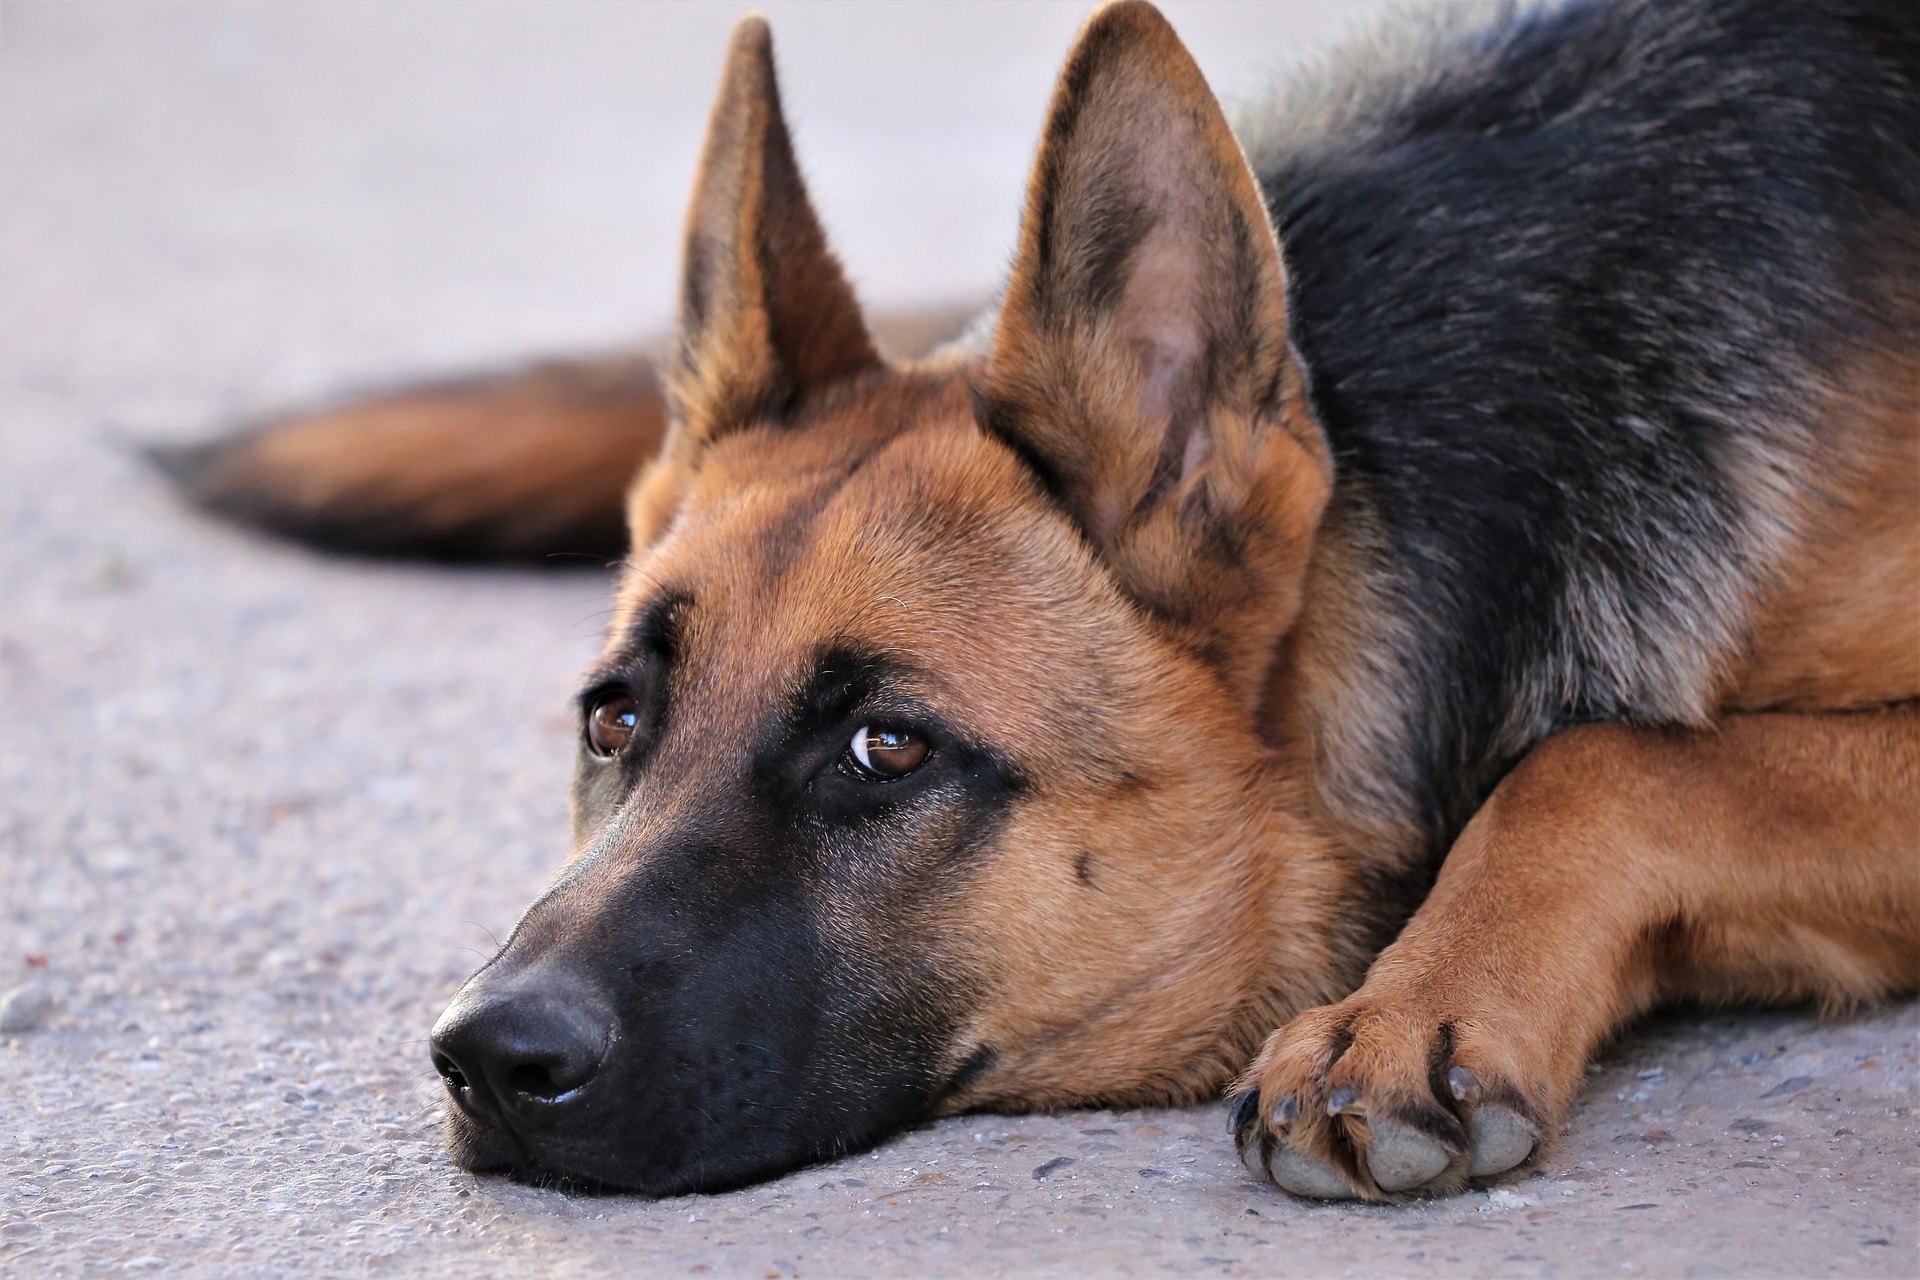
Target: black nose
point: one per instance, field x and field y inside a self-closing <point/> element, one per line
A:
<point x="522" y="1056"/>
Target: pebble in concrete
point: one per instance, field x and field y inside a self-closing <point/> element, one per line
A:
<point x="25" y="1007"/>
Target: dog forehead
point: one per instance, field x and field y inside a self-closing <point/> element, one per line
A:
<point x="933" y="547"/>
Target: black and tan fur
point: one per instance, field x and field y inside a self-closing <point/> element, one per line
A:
<point x="1370" y="673"/>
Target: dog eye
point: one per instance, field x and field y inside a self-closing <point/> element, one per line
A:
<point x="611" y="722"/>
<point x="886" y="754"/>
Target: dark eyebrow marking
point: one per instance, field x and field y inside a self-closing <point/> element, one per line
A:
<point x="846" y="681"/>
<point x="652" y="641"/>
<point x="842" y="679"/>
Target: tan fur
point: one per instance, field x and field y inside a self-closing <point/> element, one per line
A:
<point x="1843" y="628"/>
<point x="1332" y="697"/>
<point x="1095" y="990"/>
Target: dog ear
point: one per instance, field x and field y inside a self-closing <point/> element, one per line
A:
<point x="1141" y="365"/>
<point x="766" y="316"/>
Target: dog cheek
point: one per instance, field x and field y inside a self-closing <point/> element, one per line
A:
<point x="598" y="786"/>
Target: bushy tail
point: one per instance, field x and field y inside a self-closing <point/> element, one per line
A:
<point x="519" y="466"/>
<point x="528" y="466"/>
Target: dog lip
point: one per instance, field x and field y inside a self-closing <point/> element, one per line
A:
<point x="479" y="1145"/>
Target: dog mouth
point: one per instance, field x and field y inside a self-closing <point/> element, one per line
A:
<point x="598" y="1166"/>
<point x="478" y="1144"/>
<point x="483" y="1149"/>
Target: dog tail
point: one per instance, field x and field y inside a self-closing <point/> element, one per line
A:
<point x="531" y="465"/>
<point x="517" y="466"/>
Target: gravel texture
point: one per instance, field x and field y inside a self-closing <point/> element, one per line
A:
<point x="260" y="811"/>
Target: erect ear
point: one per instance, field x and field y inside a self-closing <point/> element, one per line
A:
<point x="1141" y="363"/>
<point x="766" y="316"/>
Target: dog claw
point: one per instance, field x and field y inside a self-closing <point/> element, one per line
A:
<point x="1342" y="1099"/>
<point x="1249" y="1144"/>
<point x="1501" y="1140"/>
<point x="1267" y="1155"/>
<point x="1401" y="1158"/>
<point x="1464" y="1085"/>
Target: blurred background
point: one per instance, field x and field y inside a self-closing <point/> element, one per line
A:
<point x="296" y="192"/>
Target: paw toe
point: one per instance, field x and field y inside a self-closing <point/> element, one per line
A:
<point x="1266" y="1154"/>
<point x="1501" y="1140"/>
<point x="1402" y="1158"/>
<point x="1374" y="1100"/>
<point x="1305" y="1176"/>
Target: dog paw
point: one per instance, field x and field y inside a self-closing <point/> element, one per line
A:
<point x="1374" y="1100"/>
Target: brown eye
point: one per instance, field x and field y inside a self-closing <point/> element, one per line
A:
<point x="885" y="754"/>
<point x="611" y="722"/>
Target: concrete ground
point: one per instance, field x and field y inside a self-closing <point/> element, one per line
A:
<point x="261" y="811"/>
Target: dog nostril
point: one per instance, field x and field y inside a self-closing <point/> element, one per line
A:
<point x="449" y="1072"/>
<point x="519" y="1060"/>
<point x="535" y="1081"/>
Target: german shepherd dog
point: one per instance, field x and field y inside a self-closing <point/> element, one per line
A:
<point x="1382" y="601"/>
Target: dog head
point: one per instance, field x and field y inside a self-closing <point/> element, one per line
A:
<point x="924" y="768"/>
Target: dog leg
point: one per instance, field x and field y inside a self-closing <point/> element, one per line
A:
<point x="1777" y="857"/>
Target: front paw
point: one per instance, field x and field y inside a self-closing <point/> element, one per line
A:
<point x="1376" y="1099"/>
